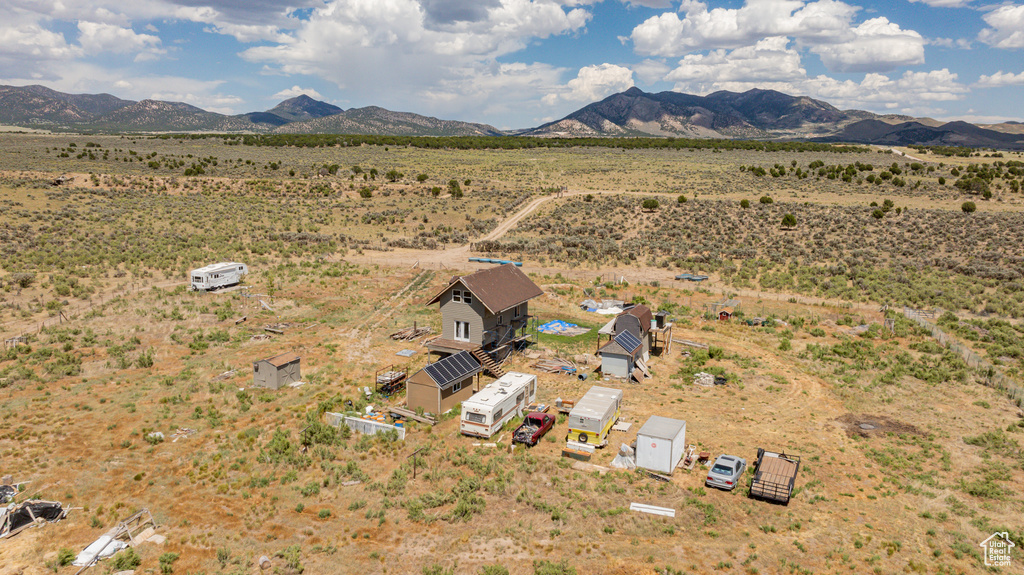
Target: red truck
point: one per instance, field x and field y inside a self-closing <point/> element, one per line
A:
<point x="534" y="426"/>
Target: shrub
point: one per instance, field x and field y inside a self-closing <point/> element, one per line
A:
<point x="766" y="200"/>
<point x="650" y="204"/>
<point x="681" y="199"/>
<point x="548" y="568"/>
<point x="789" y="221"/>
<point x="65" y="556"/>
<point x="493" y="570"/>
<point x="744" y="204"/>
<point x="167" y="563"/>
<point x="968" y="207"/>
<point x="126" y="560"/>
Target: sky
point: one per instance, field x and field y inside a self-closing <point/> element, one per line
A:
<point x="520" y="63"/>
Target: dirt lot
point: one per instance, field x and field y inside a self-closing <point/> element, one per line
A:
<point x="908" y="459"/>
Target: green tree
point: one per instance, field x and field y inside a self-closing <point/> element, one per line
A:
<point x="744" y="204"/>
<point x="766" y="200"/>
<point x="878" y="214"/>
<point x="789" y="221"/>
<point x="968" y="207"/>
<point x="650" y="204"/>
<point x="394" y="175"/>
<point x="455" y="189"/>
<point x="421" y="178"/>
<point x="681" y="199"/>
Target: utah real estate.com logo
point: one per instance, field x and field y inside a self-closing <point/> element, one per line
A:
<point x="998" y="549"/>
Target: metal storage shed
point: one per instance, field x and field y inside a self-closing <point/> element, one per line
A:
<point x="660" y="444"/>
<point x="276" y="372"/>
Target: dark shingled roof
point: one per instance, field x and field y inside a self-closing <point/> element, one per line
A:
<point x="498" y="288"/>
<point x="282" y="359"/>
<point x="642" y="313"/>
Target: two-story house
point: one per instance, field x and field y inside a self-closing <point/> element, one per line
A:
<point x="485" y="313"/>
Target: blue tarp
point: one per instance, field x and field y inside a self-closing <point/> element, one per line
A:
<point x="556" y="327"/>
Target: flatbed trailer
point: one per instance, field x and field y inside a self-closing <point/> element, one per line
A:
<point x="774" y="476"/>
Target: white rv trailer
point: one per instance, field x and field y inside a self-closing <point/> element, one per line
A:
<point x="486" y="411"/>
<point x="216" y="276"/>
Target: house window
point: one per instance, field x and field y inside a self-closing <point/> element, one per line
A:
<point x="461" y="331"/>
<point x="497" y="415"/>
<point x="475" y="417"/>
<point x="457" y="387"/>
<point x="467" y="297"/>
<point x="501" y="320"/>
<point x="457" y="295"/>
<point x="256" y="368"/>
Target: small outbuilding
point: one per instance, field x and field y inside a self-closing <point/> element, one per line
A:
<point x="620" y="355"/>
<point x="725" y="314"/>
<point x="276" y="372"/>
<point x="660" y="444"/>
<point x="443" y="384"/>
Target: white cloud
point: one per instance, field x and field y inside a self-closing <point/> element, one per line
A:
<point x="1006" y="27"/>
<point x="593" y="83"/>
<point x="700" y="29"/>
<point x="1000" y="79"/>
<point x="649" y="3"/>
<point x="961" y="43"/>
<point x="878" y="46"/>
<point x="295" y="91"/>
<point x="96" y="37"/>
<point x="770" y="61"/>
<point x="944" y="3"/>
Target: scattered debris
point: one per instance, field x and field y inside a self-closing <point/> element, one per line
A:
<point x="264" y="562"/>
<point x="564" y="405"/>
<point x="136" y="529"/>
<point x="643" y="508"/>
<point x="703" y="378"/>
<point x="226" y="374"/>
<point x="259" y="337"/>
<point x="625" y="459"/>
<point x="689" y="458"/>
<point x="407" y="353"/>
<point x="156" y="436"/>
<point x="556" y="365"/>
<point x="182" y="432"/>
<point x="273" y="330"/>
<point x="410" y="333"/>
<point x="350" y="483"/>
<point x="537" y="408"/>
<point x="241" y="319"/>
<point x="409" y="414"/>
<point x="653" y="475"/>
<point x="371" y="424"/>
<point x="18" y="516"/>
<point x="296" y="384"/>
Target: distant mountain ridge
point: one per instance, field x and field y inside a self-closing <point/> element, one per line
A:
<point x="41" y="107"/>
<point x="754" y="114"/>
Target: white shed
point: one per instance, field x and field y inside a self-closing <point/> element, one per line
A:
<point x="660" y="444"/>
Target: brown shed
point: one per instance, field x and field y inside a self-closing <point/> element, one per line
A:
<point x="444" y="384"/>
<point x="276" y="372"/>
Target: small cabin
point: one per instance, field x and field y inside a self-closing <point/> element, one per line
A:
<point x="276" y="372"/>
<point x="443" y="384"/>
<point x="725" y="314"/>
<point x="620" y="355"/>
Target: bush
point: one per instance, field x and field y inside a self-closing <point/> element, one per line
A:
<point x="968" y="207"/>
<point x="744" y="204"/>
<point x="650" y="204"/>
<point x="681" y="199"/>
<point x="789" y="221"/>
<point x="766" y="200"/>
<point x="126" y="560"/>
<point x="167" y="563"/>
<point x="493" y="570"/>
<point x="65" y="556"/>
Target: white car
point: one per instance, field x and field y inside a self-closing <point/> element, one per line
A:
<point x="726" y="472"/>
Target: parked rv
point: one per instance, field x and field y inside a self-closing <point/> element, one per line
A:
<point x="594" y="415"/>
<point x="216" y="276"/>
<point x="499" y="401"/>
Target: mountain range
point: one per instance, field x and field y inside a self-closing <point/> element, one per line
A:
<point x="755" y="114"/>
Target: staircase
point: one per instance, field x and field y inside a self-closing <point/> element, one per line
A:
<point x="487" y="362"/>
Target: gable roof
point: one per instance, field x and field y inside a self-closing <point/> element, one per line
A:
<point x="453" y="368"/>
<point x="498" y="288"/>
<point x="282" y="359"/>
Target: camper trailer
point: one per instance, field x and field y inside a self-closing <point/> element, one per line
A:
<point x="499" y="401"/>
<point x="216" y="276"/>
<point x="594" y="415"/>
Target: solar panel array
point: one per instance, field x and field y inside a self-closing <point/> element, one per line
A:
<point x="627" y="340"/>
<point x="453" y="368"/>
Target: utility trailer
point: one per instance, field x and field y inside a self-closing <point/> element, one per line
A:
<point x="216" y="276"/>
<point x="593" y="416"/>
<point x="774" y="476"/>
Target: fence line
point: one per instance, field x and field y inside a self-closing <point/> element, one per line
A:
<point x="992" y="376"/>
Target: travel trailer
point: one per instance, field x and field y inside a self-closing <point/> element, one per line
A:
<point x="216" y="276"/>
<point x="499" y="401"/>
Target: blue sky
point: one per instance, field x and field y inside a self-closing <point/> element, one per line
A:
<point x="519" y="63"/>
